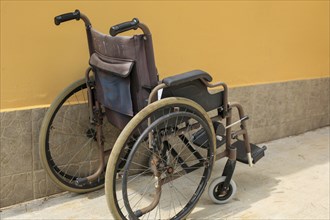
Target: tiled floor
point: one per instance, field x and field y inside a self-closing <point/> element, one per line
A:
<point x="290" y="182"/>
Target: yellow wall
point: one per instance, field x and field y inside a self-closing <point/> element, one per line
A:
<point x="239" y="42"/>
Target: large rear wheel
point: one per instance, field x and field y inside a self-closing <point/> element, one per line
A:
<point x="68" y="142"/>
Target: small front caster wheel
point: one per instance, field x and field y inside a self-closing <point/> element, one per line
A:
<point x="215" y="188"/>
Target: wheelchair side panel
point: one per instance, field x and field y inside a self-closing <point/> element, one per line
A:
<point x="195" y="91"/>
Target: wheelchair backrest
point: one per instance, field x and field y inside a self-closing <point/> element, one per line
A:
<point x="125" y="73"/>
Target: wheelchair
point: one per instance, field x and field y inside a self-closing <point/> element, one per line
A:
<point x="152" y="143"/>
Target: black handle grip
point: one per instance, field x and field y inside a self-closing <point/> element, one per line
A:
<point x="126" y="26"/>
<point x="67" y="17"/>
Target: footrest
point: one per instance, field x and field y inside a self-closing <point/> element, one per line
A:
<point x="256" y="152"/>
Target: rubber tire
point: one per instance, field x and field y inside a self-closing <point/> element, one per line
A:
<point x="111" y="167"/>
<point x="43" y="136"/>
<point x="215" y="183"/>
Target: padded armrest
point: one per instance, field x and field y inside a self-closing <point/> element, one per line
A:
<point x="186" y="77"/>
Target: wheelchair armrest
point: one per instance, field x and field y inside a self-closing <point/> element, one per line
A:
<point x="186" y="77"/>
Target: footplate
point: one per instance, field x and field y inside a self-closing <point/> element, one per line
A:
<point x="256" y="152"/>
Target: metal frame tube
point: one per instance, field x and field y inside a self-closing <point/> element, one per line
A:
<point x="244" y="131"/>
<point x="100" y="142"/>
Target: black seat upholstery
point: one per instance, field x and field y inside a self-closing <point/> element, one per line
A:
<point x="186" y="77"/>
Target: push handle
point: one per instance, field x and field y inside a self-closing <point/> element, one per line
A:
<point x="67" y="17"/>
<point x="126" y="26"/>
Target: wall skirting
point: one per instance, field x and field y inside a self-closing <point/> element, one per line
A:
<point x="276" y="110"/>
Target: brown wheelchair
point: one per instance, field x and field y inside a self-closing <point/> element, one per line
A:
<point x="152" y="143"/>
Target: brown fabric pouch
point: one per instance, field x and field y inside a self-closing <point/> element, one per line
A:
<point x="118" y="67"/>
<point x="112" y="82"/>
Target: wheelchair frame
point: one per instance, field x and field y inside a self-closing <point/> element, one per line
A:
<point x="241" y="150"/>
